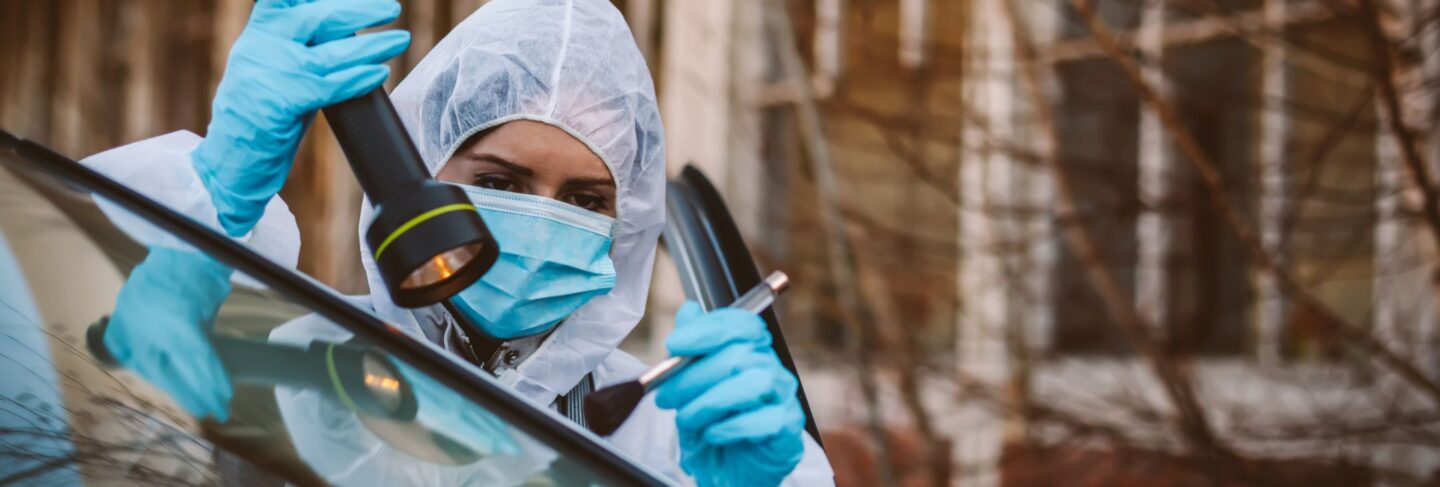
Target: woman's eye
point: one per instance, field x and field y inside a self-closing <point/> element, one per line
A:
<point x="496" y="182"/>
<point x="587" y="201"/>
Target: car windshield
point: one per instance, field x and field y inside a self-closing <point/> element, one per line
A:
<point x="317" y="398"/>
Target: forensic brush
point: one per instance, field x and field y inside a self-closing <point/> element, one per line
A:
<point x="608" y="408"/>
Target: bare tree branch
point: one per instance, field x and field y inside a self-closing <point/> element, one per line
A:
<point x="1192" y="423"/>
<point x="1214" y="182"/>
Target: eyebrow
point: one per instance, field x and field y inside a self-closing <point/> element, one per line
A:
<point x="494" y="159"/>
<point x="527" y="172"/>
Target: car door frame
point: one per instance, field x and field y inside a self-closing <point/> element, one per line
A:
<point x="714" y="264"/>
<point x="565" y="438"/>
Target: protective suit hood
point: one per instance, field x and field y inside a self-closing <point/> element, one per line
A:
<point x="572" y="64"/>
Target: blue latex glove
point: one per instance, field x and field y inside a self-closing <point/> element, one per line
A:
<point x="161" y="324"/>
<point x="739" y="420"/>
<point x="294" y="57"/>
<point x="445" y="411"/>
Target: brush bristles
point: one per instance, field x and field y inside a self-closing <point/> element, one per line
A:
<point x="608" y="408"/>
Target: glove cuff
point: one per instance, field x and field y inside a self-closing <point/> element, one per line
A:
<point x="241" y="180"/>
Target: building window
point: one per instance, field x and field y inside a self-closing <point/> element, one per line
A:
<point x="829" y="43"/>
<point x="1213" y="76"/>
<point x="1099" y="142"/>
<point x="1215" y="86"/>
<point x="913" y="31"/>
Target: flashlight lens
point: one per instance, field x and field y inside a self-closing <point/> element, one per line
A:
<point x="384" y="386"/>
<point x="441" y="266"/>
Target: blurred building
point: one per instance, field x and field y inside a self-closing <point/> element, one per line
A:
<point x="951" y="216"/>
<point x="1281" y="100"/>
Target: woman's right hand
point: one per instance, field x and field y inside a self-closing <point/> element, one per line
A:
<point x="294" y="57"/>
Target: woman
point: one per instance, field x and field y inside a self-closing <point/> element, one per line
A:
<point x="545" y="113"/>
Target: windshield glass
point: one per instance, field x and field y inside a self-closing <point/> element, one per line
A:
<point x="308" y="403"/>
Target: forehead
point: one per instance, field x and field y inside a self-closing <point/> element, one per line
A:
<point x="543" y="148"/>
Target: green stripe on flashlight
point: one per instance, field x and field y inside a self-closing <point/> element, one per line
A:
<point x="418" y="220"/>
<point x="335" y="379"/>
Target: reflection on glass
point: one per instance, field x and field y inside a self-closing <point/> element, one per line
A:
<point x="304" y="403"/>
<point x="382" y="382"/>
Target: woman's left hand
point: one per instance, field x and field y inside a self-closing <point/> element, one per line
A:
<point x="736" y="411"/>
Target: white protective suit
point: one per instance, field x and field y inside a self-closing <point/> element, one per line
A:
<point x="572" y="64"/>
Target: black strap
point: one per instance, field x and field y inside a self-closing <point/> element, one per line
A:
<point x="572" y="404"/>
<point x="481" y="345"/>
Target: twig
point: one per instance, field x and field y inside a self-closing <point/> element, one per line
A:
<point x="1191" y="421"/>
<point x="858" y="316"/>
<point x="1384" y="72"/>
<point x="1214" y="182"/>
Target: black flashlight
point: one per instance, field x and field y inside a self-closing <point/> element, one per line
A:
<point x="427" y="238"/>
<point x="361" y="378"/>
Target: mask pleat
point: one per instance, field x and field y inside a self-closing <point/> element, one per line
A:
<point x="552" y="261"/>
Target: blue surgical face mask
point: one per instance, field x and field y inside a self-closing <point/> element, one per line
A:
<point x="554" y="257"/>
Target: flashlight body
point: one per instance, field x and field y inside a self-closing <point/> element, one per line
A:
<point x="427" y="239"/>
<point x="336" y="370"/>
<point x="380" y="152"/>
